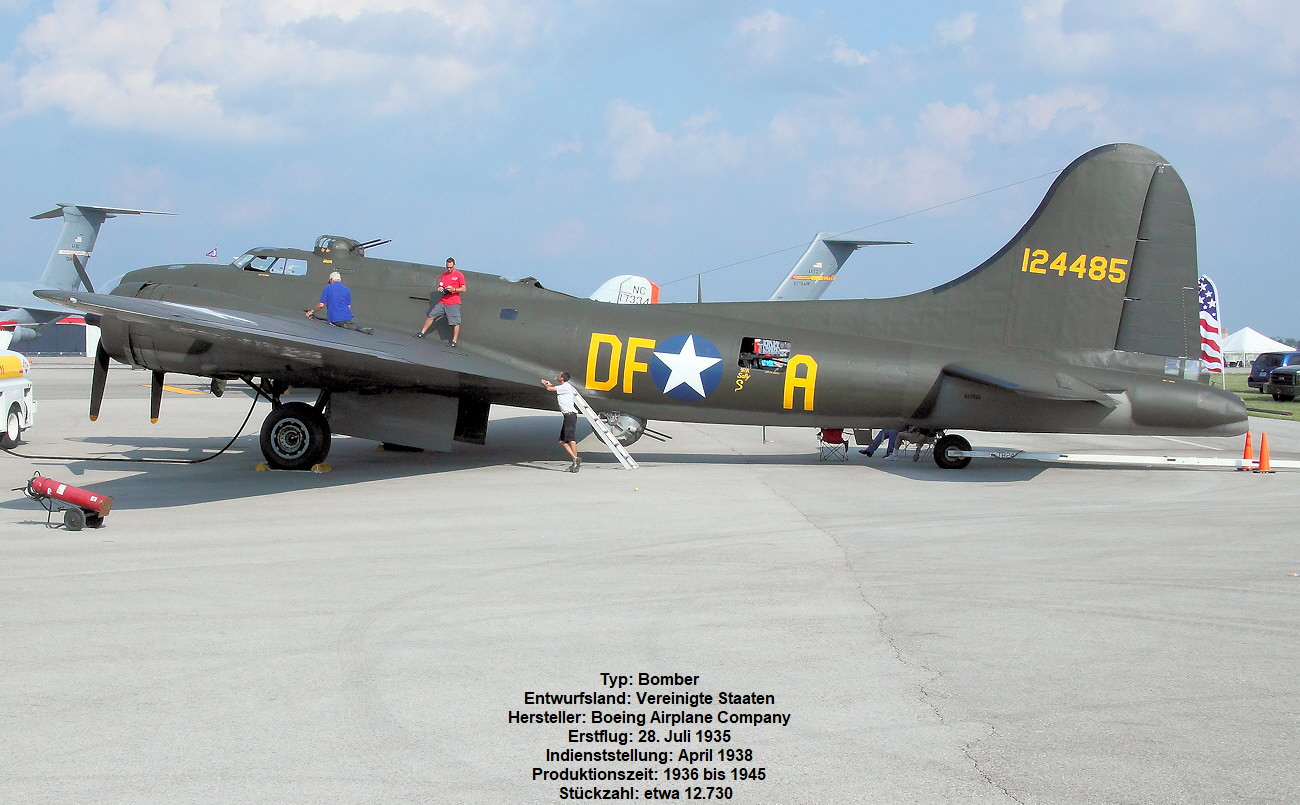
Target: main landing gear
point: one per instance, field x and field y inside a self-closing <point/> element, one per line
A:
<point x="295" y="436"/>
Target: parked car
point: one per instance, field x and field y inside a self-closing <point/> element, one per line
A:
<point x="1265" y="364"/>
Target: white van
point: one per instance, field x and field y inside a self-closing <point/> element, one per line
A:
<point x="18" y="406"/>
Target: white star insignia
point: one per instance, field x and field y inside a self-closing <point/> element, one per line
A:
<point x="686" y="367"/>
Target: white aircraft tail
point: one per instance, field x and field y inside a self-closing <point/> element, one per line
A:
<point x="66" y="268"/>
<point x="812" y="275"/>
<point x="627" y="289"/>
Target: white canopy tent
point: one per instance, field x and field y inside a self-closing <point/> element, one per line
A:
<point x="1247" y="344"/>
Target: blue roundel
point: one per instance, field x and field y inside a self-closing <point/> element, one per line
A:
<point x="686" y="367"/>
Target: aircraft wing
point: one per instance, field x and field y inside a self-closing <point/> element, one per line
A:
<point x="333" y="356"/>
<point x="1041" y="384"/>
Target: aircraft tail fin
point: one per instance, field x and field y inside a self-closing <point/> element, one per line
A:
<point x="66" y="268"/>
<point x="813" y="273"/>
<point x="1106" y="262"/>
<point x="627" y="289"/>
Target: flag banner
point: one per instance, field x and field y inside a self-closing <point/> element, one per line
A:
<point x="1211" y="329"/>
<point x="212" y="254"/>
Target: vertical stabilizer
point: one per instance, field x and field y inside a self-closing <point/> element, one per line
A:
<point x="812" y="275"/>
<point x="1103" y="264"/>
<point x="66" y="268"/>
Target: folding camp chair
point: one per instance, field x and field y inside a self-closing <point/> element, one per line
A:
<point x="920" y="440"/>
<point x="832" y="445"/>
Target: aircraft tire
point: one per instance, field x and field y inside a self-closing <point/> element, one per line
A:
<point x="295" y="436"/>
<point x="13" y="427"/>
<point x="950" y="442"/>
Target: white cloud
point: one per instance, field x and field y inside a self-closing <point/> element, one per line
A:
<point x="1040" y="111"/>
<point x="573" y="146"/>
<point x="766" y="22"/>
<point x="1050" y="44"/>
<point x="841" y="53"/>
<point x="697" y="146"/>
<point x="234" y="69"/>
<point x="951" y="128"/>
<point x="563" y="238"/>
<point x="765" y="36"/>
<point x="957" y="30"/>
<point x="1074" y="36"/>
<point x="633" y="138"/>
<point x="911" y="180"/>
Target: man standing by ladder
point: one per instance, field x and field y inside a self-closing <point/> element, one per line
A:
<point x="564" y="394"/>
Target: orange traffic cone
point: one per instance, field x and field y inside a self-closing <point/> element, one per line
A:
<point x="1247" y="456"/>
<point x="1264" y="466"/>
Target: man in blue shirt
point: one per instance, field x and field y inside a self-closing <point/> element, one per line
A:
<point x="336" y="298"/>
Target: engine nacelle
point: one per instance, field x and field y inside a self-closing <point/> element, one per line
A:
<point x="625" y="427"/>
<point x="23" y="334"/>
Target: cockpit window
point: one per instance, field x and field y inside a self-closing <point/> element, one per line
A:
<point x="267" y="264"/>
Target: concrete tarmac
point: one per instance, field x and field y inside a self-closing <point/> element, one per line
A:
<point x="1008" y="633"/>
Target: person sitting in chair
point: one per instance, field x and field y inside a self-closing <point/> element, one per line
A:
<point x="882" y="435"/>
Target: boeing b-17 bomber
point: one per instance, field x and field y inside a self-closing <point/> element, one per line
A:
<point x="1085" y="322"/>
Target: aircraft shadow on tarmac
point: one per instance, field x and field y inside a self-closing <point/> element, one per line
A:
<point x="522" y="441"/>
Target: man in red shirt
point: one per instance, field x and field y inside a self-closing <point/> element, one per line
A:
<point x="446" y="301"/>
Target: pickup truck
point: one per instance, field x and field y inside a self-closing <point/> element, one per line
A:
<point x="1283" y="383"/>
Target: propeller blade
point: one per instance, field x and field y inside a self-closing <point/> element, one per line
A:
<point x="97" y="381"/>
<point x="155" y="396"/>
<point x="81" y="272"/>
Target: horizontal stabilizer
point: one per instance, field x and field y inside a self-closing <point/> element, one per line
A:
<point x="57" y="212"/>
<point x="1042" y="384"/>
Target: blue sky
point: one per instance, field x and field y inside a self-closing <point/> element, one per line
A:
<point x="572" y="141"/>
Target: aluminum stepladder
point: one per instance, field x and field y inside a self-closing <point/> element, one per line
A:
<point x="606" y="435"/>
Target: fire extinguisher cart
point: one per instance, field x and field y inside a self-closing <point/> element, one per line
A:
<point x="80" y="507"/>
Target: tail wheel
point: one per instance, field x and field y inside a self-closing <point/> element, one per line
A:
<point x="950" y="444"/>
<point x="13" y="427"/>
<point x="295" y="436"/>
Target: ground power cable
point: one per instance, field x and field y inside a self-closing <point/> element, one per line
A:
<point x="124" y="460"/>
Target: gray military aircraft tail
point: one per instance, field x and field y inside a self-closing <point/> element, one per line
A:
<point x="816" y="269"/>
<point x="65" y="270"/>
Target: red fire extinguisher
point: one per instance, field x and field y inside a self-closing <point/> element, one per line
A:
<point x="80" y="507"/>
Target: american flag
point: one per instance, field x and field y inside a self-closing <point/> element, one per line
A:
<point x="1211" y="329"/>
